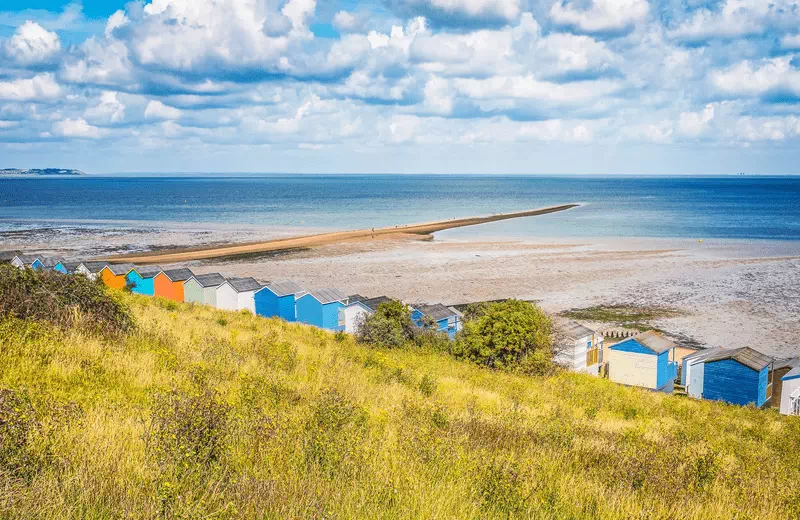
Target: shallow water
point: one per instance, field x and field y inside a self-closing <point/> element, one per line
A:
<point x="681" y="207"/>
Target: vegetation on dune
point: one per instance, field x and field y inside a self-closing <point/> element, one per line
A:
<point x="199" y="413"/>
<point x="634" y="317"/>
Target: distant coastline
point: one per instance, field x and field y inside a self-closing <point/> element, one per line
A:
<point x="41" y="172"/>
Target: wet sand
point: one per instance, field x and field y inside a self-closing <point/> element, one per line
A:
<point x="313" y="241"/>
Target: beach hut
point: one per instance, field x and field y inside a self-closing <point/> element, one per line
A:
<point x="202" y="288"/>
<point x="644" y="361"/>
<point x="781" y="368"/>
<point x="236" y="294"/>
<point x="113" y="275"/>
<point x="90" y="270"/>
<point x="447" y="319"/>
<point x="169" y="283"/>
<point x="6" y="257"/>
<point x="578" y="348"/>
<point x="790" y="393"/>
<point x="278" y="299"/>
<point x="740" y="376"/>
<point x="321" y="308"/>
<point x="27" y="262"/>
<point x="357" y="309"/>
<point x="141" y="280"/>
<point x="51" y="262"/>
<point x="67" y="267"/>
<point x="693" y="370"/>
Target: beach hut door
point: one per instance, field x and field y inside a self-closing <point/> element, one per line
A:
<point x="794" y="403"/>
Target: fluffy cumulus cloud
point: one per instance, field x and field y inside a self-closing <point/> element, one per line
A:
<point x="32" y="44"/>
<point x="210" y="75"/>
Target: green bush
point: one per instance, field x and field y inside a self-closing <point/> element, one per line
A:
<point x="64" y="300"/>
<point x="389" y="326"/>
<point x="508" y="335"/>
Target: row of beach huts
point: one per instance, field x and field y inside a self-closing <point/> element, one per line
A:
<point x="649" y="360"/>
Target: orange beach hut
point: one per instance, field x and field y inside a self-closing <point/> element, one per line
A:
<point x="169" y="283"/>
<point x="113" y="275"/>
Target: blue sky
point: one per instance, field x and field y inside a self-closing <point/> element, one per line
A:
<point x="484" y="86"/>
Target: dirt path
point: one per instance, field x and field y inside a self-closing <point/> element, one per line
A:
<point x="186" y="255"/>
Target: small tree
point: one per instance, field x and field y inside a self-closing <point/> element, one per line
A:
<point x="512" y="335"/>
<point x="389" y="326"/>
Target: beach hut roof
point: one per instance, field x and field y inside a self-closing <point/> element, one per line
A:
<point x="178" y="275"/>
<point x="7" y="256"/>
<point x="793" y="374"/>
<point x="353" y="298"/>
<point x="284" y="288"/>
<point x="51" y="261"/>
<point x="703" y="354"/>
<point x="70" y="266"/>
<point x="437" y="311"/>
<point x="244" y="284"/>
<point x="786" y="363"/>
<point x="374" y="303"/>
<point x="93" y="267"/>
<point x="574" y="330"/>
<point x="147" y="271"/>
<point x="325" y="296"/>
<point x="210" y="279"/>
<point x="27" y="259"/>
<point x="120" y="269"/>
<point x="654" y="341"/>
<point x="745" y="355"/>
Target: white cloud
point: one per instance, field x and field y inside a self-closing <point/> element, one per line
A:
<point x="109" y="109"/>
<point x="346" y="21"/>
<point x="115" y="21"/>
<point x="76" y="128"/>
<point x="736" y="18"/>
<point x="42" y="87"/>
<point x="159" y="111"/>
<point x="32" y="44"/>
<point x="529" y="88"/>
<point x="298" y="12"/>
<point x="694" y="124"/>
<point x="600" y="16"/>
<point x="493" y="9"/>
<point x="791" y="41"/>
<point x="749" y="79"/>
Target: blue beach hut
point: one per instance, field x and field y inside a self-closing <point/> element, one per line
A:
<point x="278" y="299"/>
<point x="321" y="308"/>
<point x="740" y="376"/>
<point x="141" y="280"/>
<point x="61" y="268"/>
<point x="644" y="361"/>
<point x="447" y="319"/>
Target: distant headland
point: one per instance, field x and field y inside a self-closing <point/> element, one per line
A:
<point x="40" y="171"/>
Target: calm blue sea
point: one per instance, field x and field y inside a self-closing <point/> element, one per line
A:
<point x="739" y="207"/>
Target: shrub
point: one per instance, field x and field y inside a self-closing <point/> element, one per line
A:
<point x="63" y="300"/>
<point x="389" y="326"/>
<point x="508" y="335"/>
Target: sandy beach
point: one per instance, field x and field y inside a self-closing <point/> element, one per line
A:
<point x="729" y="293"/>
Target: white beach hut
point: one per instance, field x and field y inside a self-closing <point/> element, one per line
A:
<point x="90" y="270"/>
<point x="357" y="309"/>
<point x="693" y="371"/>
<point x="579" y="348"/>
<point x="790" y="396"/>
<point x="237" y="294"/>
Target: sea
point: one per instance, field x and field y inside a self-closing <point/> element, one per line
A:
<point x="729" y="207"/>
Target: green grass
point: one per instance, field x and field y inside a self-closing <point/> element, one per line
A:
<point x="205" y="414"/>
<point x="632" y="317"/>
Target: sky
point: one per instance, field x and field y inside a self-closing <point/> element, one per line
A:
<point x="402" y="86"/>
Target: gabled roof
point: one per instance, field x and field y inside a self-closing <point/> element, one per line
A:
<point x="244" y="284"/>
<point x="325" y="296"/>
<point x="373" y="303"/>
<point x="50" y="261"/>
<point x="27" y="259"/>
<point x="786" y="363"/>
<point x="93" y="267"/>
<point x="437" y="311"/>
<point x="7" y="256"/>
<point x="71" y="266"/>
<point x="209" y="280"/>
<point x="702" y="355"/>
<point x="119" y="269"/>
<point x="654" y="341"/>
<point x="793" y="374"/>
<point x="574" y="330"/>
<point x="356" y="298"/>
<point x="745" y="355"/>
<point x="284" y="288"/>
<point x="146" y="271"/>
<point x="178" y="275"/>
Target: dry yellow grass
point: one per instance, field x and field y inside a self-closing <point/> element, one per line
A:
<point x="208" y="414"/>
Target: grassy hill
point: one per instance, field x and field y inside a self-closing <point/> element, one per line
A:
<point x="198" y="413"/>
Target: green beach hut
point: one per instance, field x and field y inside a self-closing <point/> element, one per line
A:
<point x="202" y="288"/>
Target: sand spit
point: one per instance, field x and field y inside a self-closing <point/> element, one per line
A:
<point x="312" y="241"/>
